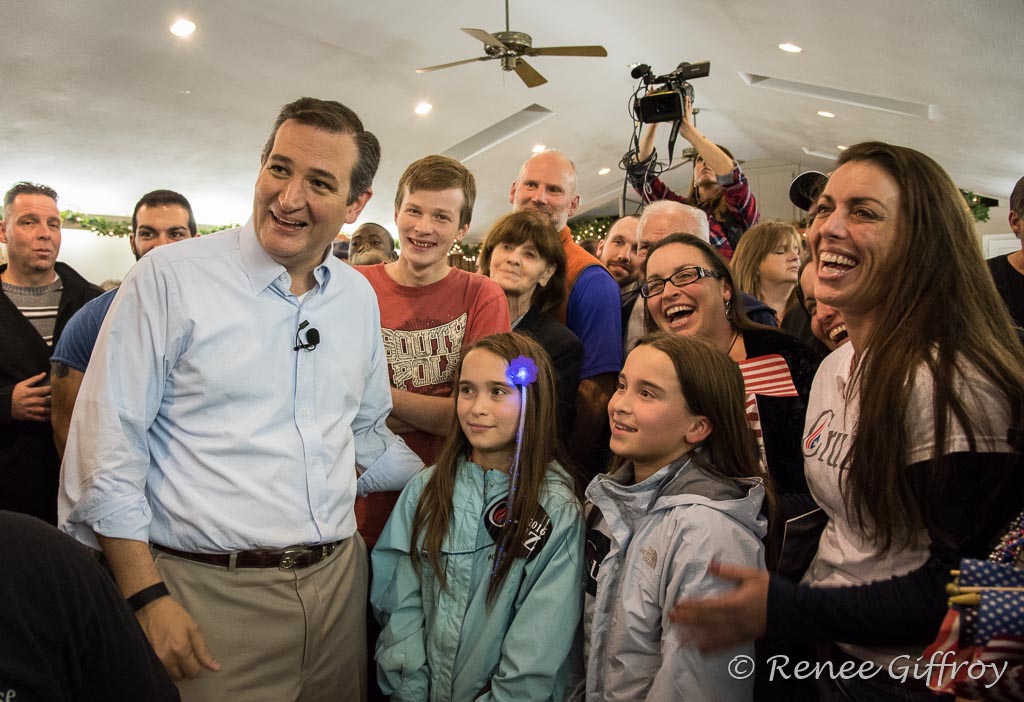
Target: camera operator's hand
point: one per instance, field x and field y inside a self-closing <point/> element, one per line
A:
<point x="686" y="128"/>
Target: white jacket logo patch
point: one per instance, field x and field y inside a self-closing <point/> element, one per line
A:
<point x="650" y="556"/>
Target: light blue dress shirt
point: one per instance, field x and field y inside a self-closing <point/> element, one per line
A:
<point x="198" y="426"/>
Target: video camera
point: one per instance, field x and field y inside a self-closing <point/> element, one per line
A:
<point x="666" y="103"/>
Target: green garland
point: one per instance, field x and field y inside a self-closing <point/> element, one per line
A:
<point x="979" y="210"/>
<point x="594" y="228"/>
<point x="468" y="251"/>
<point x="110" y="227"/>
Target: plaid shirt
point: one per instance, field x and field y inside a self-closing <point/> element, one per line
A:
<point x="741" y="215"/>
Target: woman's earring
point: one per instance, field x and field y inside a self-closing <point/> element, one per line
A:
<point x="728" y="310"/>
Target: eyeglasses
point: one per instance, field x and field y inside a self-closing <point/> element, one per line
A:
<point x="681" y="278"/>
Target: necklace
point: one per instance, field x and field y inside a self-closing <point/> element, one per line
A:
<point x="735" y="336"/>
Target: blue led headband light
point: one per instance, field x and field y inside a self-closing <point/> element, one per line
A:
<point x="521" y="373"/>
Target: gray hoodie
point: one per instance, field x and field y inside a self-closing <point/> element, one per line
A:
<point x="649" y="546"/>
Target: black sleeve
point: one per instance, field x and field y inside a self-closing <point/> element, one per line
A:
<point x="67" y="632"/>
<point x="967" y="506"/>
<point x="568" y="363"/>
<point x="6" y="398"/>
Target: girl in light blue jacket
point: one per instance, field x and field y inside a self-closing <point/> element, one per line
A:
<point x="687" y="489"/>
<point x="477" y="575"/>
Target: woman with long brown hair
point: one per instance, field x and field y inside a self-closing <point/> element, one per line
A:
<point x="476" y="577"/>
<point x="913" y="439"/>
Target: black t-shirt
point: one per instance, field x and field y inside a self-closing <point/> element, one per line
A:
<point x="66" y="634"/>
<point x="1010" y="283"/>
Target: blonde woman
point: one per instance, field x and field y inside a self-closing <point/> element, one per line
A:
<point x="767" y="265"/>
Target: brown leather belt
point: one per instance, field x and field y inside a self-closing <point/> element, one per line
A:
<point x="286" y="559"/>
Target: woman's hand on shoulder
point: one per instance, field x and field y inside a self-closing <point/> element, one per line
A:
<point x="716" y="623"/>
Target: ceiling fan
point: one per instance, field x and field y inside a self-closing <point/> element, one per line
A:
<point x="511" y="47"/>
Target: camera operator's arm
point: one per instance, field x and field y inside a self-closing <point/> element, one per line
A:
<point x="734" y="186"/>
<point x="718" y="160"/>
<point x="646" y="146"/>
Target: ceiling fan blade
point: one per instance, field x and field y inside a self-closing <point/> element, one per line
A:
<point x="568" y="51"/>
<point x="452" y="64"/>
<point x="529" y="74"/>
<point x="486" y="37"/>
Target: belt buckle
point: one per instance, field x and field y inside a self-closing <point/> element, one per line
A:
<point x="290" y="557"/>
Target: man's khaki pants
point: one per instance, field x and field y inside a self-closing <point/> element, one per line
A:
<point x="279" y="635"/>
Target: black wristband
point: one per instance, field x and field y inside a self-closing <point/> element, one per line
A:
<point x="146" y="595"/>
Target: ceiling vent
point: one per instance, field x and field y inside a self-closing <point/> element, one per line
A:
<point x="498" y="132"/>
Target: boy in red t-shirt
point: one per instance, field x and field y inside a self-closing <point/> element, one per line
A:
<point x="429" y="312"/>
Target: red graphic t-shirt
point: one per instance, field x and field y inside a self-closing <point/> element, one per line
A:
<point x="425" y="329"/>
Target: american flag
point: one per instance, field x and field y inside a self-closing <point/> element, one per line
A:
<point x="767" y="375"/>
<point x="764" y="375"/>
<point x="990" y="633"/>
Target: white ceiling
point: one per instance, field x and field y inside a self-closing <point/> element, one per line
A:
<point x="103" y="103"/>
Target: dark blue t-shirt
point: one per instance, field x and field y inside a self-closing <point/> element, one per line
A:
<point x="74" y="348"/>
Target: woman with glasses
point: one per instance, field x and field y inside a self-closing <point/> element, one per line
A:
<point x="690" y="291"/>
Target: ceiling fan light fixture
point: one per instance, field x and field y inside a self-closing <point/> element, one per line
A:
<point x="510" y="47"/>
<point x="183" y="27"/>
<point x="423" y="108"/>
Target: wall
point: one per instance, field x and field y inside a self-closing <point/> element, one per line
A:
<point x="770" y="185"/>
<point x="97" y="258"/>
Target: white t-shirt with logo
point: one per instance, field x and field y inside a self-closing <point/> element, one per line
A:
<point x="845" y="556"/>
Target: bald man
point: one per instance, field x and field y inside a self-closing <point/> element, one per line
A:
<point x="547" y="184"/>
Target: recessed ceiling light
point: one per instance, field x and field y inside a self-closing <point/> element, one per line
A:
<point x="538" y="148"/>
<point x="825" y="113"/>
<point x="790" y="48"/>
<point x="183" y="27"/>
<point x="604" y="171"/>
<point x="423" y="108"/>
<point x="841" y="147"/>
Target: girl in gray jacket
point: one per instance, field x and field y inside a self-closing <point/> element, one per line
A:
<point x="685" y="490"/>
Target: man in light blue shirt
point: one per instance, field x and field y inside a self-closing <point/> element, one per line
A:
<point x="238" y="381"/>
